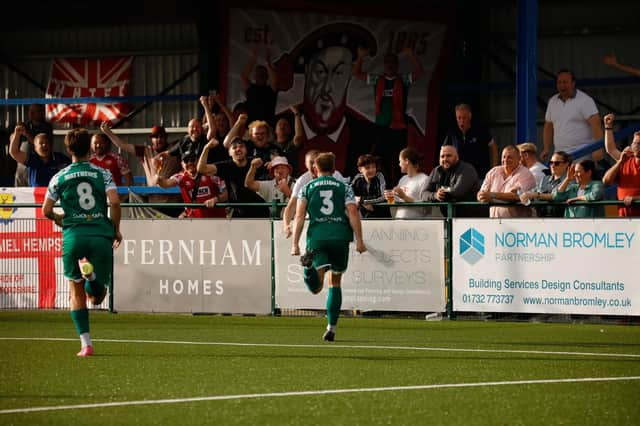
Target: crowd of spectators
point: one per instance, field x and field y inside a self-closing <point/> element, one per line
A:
<point x="251" y="156"/>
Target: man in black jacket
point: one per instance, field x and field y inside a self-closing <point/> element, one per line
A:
<point x="454" y="180"/>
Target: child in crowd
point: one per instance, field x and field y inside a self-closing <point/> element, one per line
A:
<point x="368" y="187"/>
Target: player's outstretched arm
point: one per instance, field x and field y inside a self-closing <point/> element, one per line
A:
<point x="356" y="225"/>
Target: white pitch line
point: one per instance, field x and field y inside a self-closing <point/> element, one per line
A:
<point x="316" y="392"/>
<point x="332" y="346"/>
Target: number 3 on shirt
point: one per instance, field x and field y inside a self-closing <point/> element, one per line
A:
<point x="327" y="202"/>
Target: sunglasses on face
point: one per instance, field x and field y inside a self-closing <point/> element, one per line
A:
<point x="556" y="163"/>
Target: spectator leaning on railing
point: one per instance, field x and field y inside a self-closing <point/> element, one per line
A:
<point x="559" y="164"/>
<point x="410" y="187"/>
<point x="453" y="180"/>
<point x="503" y="183"/>
<point x="626" y="171"/>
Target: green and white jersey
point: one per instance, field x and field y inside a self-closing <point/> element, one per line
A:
<point x="327" y="198"/>
<point x="82" y="190"/>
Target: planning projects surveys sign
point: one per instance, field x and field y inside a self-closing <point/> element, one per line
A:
<point x="402" y="269"/>
<point x="567" y="266"/>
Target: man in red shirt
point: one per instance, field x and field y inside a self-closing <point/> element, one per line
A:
<point x="209" y="191"/>
<point x="626" y="171"/>
<point x="102" y="156"/>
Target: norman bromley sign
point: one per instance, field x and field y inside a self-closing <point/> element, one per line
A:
<point x="203" y="265"/>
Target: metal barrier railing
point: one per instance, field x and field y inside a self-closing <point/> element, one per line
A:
<point x="39" y="239"/>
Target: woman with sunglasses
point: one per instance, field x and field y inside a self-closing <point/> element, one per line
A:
<point x="558" y="165"/>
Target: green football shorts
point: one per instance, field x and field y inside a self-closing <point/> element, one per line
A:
<point x="98" y="250"/>
<point x="330" y="254"/>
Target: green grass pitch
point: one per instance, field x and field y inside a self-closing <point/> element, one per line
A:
<point x="183" y="369"/>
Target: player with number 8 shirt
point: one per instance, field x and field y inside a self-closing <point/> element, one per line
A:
<point x="88" y="234"/>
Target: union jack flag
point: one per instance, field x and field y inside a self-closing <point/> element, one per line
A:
<point x="79" y="78"/>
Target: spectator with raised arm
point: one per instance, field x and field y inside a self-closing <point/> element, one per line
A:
<point x="279" y="187"/>
<point x="222" y="119"/>
<point x="612" y="61"/>
<point x="41" y="161"/>
<point x="234" y="173"/>
<point x="196" y="139"/>
<point x="572" y="120"/>
<point x="580" y="185"/>
<point x="503" y="183"/>
<point x="154" y="162"/>
<point x="262" y="92"/>
<point x="287" y="140"/>
<point x="390" y="96"/>
<point x="258" y="145"/>
<point x="35" y="124"/>
<point x="201" y="188"/>
<point x="626" y="171"/>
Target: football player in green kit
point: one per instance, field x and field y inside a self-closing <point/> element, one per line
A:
<point x="333" y="221"/>
<point x="88" y="234"/>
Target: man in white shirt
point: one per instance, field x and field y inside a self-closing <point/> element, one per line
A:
<point x="572" y="120"/>
<point x="278" y="188"/>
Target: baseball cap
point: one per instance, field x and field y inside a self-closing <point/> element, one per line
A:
<point x="158" y="131"/>
<point x="279" y="161"/>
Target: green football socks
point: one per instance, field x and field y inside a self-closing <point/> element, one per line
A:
<point x="80" y="319"/>
<point x="334" y="303"/>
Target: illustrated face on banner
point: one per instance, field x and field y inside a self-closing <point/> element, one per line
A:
<point x="312" y="54"/>
<point x="326" y="81"/>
